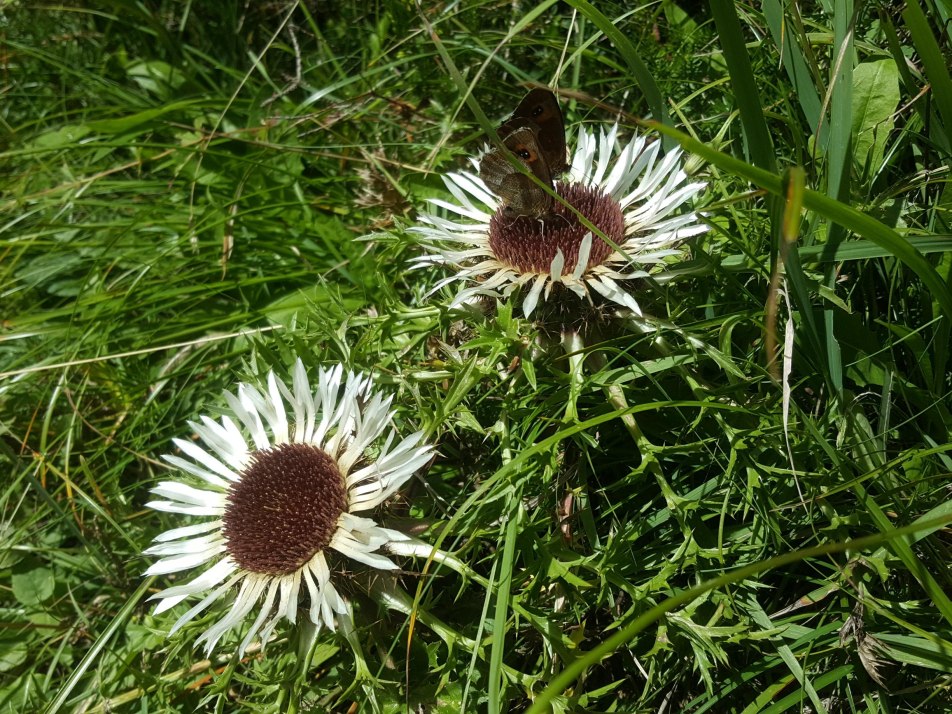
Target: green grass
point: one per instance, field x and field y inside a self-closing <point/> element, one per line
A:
<point x="195" y="193"/>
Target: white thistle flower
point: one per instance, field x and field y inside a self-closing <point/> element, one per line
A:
<point x="633" y="198"/>
<point x="280" y="489"/>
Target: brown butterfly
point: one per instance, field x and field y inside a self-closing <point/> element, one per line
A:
<point x="535" y="134"/>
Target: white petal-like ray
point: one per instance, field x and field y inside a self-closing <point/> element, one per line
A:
<point x="196" y="470"/>
<point x="279" y="427"/>
<point x="328" y="387"/>
<point x="323" y="593"/>
<point x="203" y="457"/>
<point x="197" y="609"/>
<point x="345" y="543"/>
<point x="252" y="586"/>
<point x="532" y="297"/>
<point x="186" y="561"/>
<point x="219" y="440"/>
<point x="303" y="405"/>
<point x="183" y="493"/>
<point x="172" y="507"/>
<point x="557" y="266"/>
<point x="273" y="586"/>
<point x="584" y="252"/>
<point x="199" y="544"/>
<point x="187" y="531"/>
<point x="250" y="419"/>
<point x="211" y="577"/>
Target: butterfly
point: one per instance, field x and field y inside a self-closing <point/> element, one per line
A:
<point x="535" y="134"/>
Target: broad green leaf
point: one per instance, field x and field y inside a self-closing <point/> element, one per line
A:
<point x="13" y="653"/>
<point x="875" y="97"/>
<point x="32" y="583"/>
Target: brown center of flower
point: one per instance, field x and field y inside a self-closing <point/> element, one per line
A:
<point x="529" y="244"/>
<point x="284" y="509"/>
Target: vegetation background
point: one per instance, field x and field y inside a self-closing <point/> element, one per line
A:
<point x="187" y="194"/>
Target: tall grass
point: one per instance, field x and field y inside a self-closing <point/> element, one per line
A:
<point x="196" y="193"/>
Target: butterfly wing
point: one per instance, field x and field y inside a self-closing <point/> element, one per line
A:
<point x="535" y="135"/>
<point x="519" y="192"/>
<point x="541" y="108"/>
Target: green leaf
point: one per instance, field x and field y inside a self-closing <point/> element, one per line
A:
<point x="875" y="97"/>
<point x="13" y="653"/>
<point x="759" y="146"/>
<point x="32" y="583"/>
<point x="561" y="569"/>
<point x="283" y="310"/>
<point x="130" y="121"/>
<point x="58" y="138"/>
<point x="157" y="77"/>
<point x="917" y="650"/>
